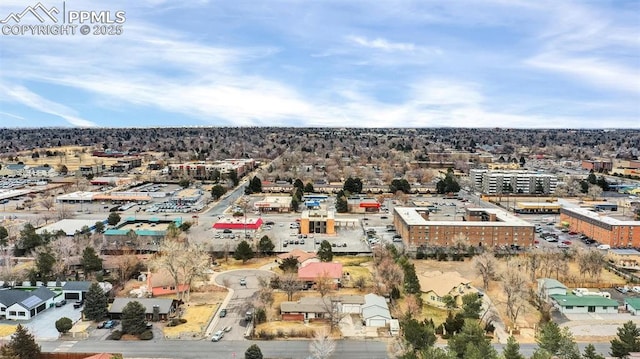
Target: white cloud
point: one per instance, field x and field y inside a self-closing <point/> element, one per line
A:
<point x="382" y="44"/>
<point x="22" y="95"/>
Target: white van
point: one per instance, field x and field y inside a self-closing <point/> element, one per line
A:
<point x="604" y="246"/>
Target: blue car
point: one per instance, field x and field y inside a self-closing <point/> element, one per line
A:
<point x="109" y="324"/>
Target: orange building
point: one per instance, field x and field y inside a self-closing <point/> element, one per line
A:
<point x="604" y="229"/>
<point x="317" y="221"/>
<point x="481" y="227"/>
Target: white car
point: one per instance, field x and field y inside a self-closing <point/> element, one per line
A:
<point x="217" y="336"/>
<point x="635" y="289"/>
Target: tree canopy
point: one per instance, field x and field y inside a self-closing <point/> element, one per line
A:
<point x="325" y="253"/>
<point x="133" y="318"/>
<point x="243" y="252"/>
<point x="21" y="346"/>
<point x="96" y="304"/>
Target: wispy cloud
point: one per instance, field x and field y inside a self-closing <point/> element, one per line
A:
<point x="22" y="95"/>
<point x="381" y="44"/>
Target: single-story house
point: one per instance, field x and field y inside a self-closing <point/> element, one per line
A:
<point x="632" y="305"/>
<point x="571" y="304"/>
<point x="351" y="304"/>
<point x="312" y="271"/>
<point x="16" y="304"/>
<point x="306" y="308"/>
<point x="161" y="283"/>
<point x="548" y="287"/>
<point x="436" y="285"/>
<point x="76" y="290"/>
<point x="375" y="311"/>
<point x="303" y="257"/>
<point x="164" y="308"/>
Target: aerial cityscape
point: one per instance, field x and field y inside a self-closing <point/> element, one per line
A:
<point x="397" y="179"/>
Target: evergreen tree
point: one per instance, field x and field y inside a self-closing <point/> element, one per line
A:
<point x="512" y="349"/>
<point x="353" y="185"/>
<point x="341" y="205"/>
<point x="96" y="304"/>
<point x="113" y="219"/>
<point x="265" y="246"/>
<point x="218" y="191"/>
<point x="448" y="184"/>
<point x="133" y="318"/>
<point x="21" y="346"/>
<point x="325" y="253"/>
<point x="471" y="306"/>
<point x="289" y="264"/>
<point x="44" y="265"/>
<point x="233" y="177"/>
<point x="90" y="260"/>
<point x="297" y="184"/>
<point x="549" y="337"/>
<point x="253" y="352"/>
<point x="420" y="335"/>
<point x="411" y="282"/>
<point x="400" y="185"/>
<point x="472" y="339"/>
<point x="308" y="188"/>
<point x="63" y="325"/>
<point x="243" y="252"/>
<point x="627" y="341"/>
<point x="590" y="353"/>
<point x="99" y="227"/>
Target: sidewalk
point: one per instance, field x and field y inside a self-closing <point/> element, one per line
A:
<point x="214" y="322"/>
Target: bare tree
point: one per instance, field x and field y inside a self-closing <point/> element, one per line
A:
<point x="514" y="285"/>
<point x="290" y="284"/>
<point x="594" y="192"/>
<point x="47" y="203"/>
<point x="193" y="265"/>
<point x="534" y="260"/>
<point x="485" y="265"/>
<point x="324" y="284"/>
<point x="413" y="308"/>
<point x="388" y="275"/>
<point x="322" y="346"/>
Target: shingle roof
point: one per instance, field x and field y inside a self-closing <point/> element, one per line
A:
<point x="43" y="293"/>
<point x="316" y="270"/>
<point x="351" y="299"/>
<point x="75" y="286"/>
<point x="585" y="300"/>
<point x="10" y="297"/>
<point x="163" y="304"/>
<point x="440" y="283"/>
<point x="307" y="305"/>
<point x="297" y="253"/>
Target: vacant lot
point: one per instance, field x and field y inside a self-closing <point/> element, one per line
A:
<point x="198" y="312"/>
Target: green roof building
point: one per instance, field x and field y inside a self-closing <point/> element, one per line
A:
<point x="574" y="304"/>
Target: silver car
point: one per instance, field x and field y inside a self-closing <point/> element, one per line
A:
<point x="217" y="336"/>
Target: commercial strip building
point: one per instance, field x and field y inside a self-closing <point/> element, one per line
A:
<point x="363" y="205"/>
<point x="538" y="208"/>
<point x="518" y="182"/>
<point x="602" y="228"/>
<point x="481" y="227"/>
<point x="279" y="204"/>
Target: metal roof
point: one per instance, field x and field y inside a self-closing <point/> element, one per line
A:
<point x="584" y="301"/>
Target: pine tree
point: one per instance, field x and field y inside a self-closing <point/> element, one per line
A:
<point x="90" y="260"/>
<point x="590" y="353"/>
<point x="325" y="253"/>
<point x="512" y="349"/>
<point x="95" y="307"/>
<point x="253" y="352"/>
<point x="265" y="245"/>
<point x="549" y="338"/>
<point x="628" y="340"/>
<point x="243" y="252"/>
<point x="21" y="346"/>
<point x="133" y="318"/>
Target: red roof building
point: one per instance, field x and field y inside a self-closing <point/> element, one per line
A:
<point x="238" y="223"/>
<point x="313" y="271"/>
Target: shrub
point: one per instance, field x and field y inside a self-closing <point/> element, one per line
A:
<point x="146" y="335"/>
<point x="115" y="335"/>
<point x="280" y="333"/>
<point x="261" y="316"/>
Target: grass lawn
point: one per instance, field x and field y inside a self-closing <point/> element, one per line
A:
<point x="197" y="317"/>
<point x="438" y="315"/>
<point x="351" y="260"/>
<point x="254" y="263"/>
<point x="291" y="329"/>
<point x="6" y="330"/>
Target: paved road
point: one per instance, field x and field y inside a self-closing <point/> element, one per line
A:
<point x="200" y="349"/>
<point x="240" y="302"/>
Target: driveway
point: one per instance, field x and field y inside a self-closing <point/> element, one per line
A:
<point x="43" y="326"/>
<point x="241" y="300"/>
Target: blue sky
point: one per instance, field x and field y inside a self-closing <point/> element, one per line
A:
<point x="499" y="63"/>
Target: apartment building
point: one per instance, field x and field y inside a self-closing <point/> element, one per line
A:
<point x="204" y="170"/>
<point x="519" y="182"/>
<point x="480" y="227"/>
<point x="602" y="228"/>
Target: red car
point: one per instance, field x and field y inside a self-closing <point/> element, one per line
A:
<point x="536" y="242"/>
<point x="567" y="242"/>
<point x="573" y="233"/>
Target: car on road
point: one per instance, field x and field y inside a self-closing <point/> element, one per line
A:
<point x="223" y="313"/>
<point x="243" y="282"/>
<point x="217" y="336"/>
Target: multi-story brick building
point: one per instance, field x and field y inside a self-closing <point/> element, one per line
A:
<point x="205" y="170"/>
<point x="523" y="182"/>
<point x="602" y="228"/>
<point x="597" y="166"/>
<point x="481" y="227"/>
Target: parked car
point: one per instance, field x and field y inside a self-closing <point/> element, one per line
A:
<point x="243" y="282"/>
<point x="78" y="304"/>
<point x="109" y="324"/>
<point x="567" y="242"/>
<point x="223" y="313"/>
<point x="227" y="231"/>
<point x="635" y="289"/>
<point x="623" y="290"/>
<point x="217" y="336"/>
<point x="61" y="303"/>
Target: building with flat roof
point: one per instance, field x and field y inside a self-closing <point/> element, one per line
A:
<point x="517" y="182"/>
<point x="317" y="221"/>
<point x="602" y="228"/>
<point x="77" y="197"/>
<point x="538" y="208"/>
<point x="572" y="304"/>
<point x="597" y="165"/>
<point x="70" y="226"/>
<point x="205" y="170"/>
<point x="280" y="204"/>
<point x="481" y="227"/>
<point x="240" y="223"/>
<point x="363" y="205"/>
